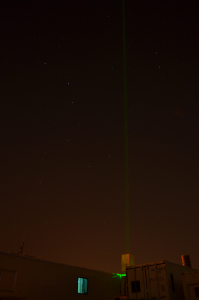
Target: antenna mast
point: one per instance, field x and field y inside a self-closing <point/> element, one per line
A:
<point x="22" y="246"/>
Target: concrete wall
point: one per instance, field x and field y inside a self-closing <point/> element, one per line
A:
<point x="32" y="279"/>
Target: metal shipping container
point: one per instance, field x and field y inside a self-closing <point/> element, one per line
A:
<point x="191" y="285"/>
<point x="158" y="280"/>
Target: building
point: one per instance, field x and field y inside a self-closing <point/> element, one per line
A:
<point x="28" y="278"/>
<point x="191" y="285"/>
<point x="158" y="280"/>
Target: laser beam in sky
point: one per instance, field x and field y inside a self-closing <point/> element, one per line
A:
<point x="127" y="218"/>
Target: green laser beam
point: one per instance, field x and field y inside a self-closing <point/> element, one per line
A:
<point x="118" y="275"/>
<point x="127" y="220"/>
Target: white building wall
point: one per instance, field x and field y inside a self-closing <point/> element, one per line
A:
<point x="152" y="281"/>
<point x="32" y="279"/>
<point x="155" y="281"/>
<point x="176" y="271"/>
<point x="190" y="284"/>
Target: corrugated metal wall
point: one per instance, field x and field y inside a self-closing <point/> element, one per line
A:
<point x="156" y="280"/>
<point x="190" y="283"/>
<point x="176" y="271"/>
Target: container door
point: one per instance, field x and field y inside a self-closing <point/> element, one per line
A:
<point x="158" y="282"/>
<point x="154" y="292"/>
<point x="140" y="284"/>
<point x="136" y="284"/>
<point x="162" y="282"/>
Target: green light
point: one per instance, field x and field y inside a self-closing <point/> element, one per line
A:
<point x="127" y="222"/>
<point x="118" y="275"/>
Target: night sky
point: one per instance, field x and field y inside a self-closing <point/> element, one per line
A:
<point x="62" y="130"/>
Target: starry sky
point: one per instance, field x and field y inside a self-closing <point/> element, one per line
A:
<point x="62" y="130"/>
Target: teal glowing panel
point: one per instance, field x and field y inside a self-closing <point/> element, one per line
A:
<point x="82" y="285"/>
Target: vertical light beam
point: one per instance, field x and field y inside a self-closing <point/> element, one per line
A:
<point x="127" y="223"/>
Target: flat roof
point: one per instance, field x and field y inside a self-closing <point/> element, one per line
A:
<point x="154" y="263"/>
<point x="47" y="261"/>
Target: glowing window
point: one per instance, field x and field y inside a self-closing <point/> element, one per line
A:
<point x="82" y="285"/>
